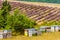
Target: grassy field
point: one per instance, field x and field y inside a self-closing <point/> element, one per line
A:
<point x="44" y="36"/>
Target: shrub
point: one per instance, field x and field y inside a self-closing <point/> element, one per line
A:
<point x="3" y="13"/>
<point x="49" y="23"/>
<point x="16" y="22"/>
<point x="21" y="21"/>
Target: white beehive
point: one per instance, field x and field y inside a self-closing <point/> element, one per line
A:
<point x="52" y="29"/>
<point x="57" y="28"/>
<point x="1" y="33"/>
<point x="1" y="36"/>
<point x="31" y="32"/>
<point x="7" y="33"/>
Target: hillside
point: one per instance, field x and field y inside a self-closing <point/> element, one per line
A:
<point x="38" y="11"/>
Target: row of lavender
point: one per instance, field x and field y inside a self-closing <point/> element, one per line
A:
<point x="48" y="13"/>
<point x="43" y="12"/>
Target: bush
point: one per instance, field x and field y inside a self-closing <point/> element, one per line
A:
<point x="3" y="14"/>
<point x="21" y="21"/>
<point x="49" y="23"/>
<point x="16" y="22"/>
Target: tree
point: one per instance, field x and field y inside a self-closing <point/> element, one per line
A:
<point x="49" y="1"/>
<point x="21" y="21"/>
<point x="1" y="19"/>
<point x="6" y="6"/>
<point x="5" y="11"/>
<point x="16" y="22"/>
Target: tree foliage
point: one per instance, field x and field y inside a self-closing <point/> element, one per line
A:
<point x="21" y="21"/>
<point x="49" y="1"/>
<point x="16" y="22"/>
<point x="4" y="12"/>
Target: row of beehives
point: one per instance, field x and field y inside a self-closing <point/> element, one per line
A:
<point x="5" y="33"/>
<point x="30" y="32"/>
<point x="51" y="28"/>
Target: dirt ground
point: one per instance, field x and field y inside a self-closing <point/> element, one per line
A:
<point x="44" y="36"/>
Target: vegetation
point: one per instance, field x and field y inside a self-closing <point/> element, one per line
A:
<point x="21" y="21"/>
<point x="49" y="1"/>
<point x="49" y="23"/>
<point x="17" y="21"/>
<point x="3" y="13"/>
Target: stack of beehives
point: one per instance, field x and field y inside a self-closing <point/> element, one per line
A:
<point x="5" y="34"/>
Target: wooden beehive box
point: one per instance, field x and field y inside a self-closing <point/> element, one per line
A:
<point x="30" y="32"/>
<point x="55" y="28"/>
<point x="1" y="33"/>
<point x="7" y="34"/>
